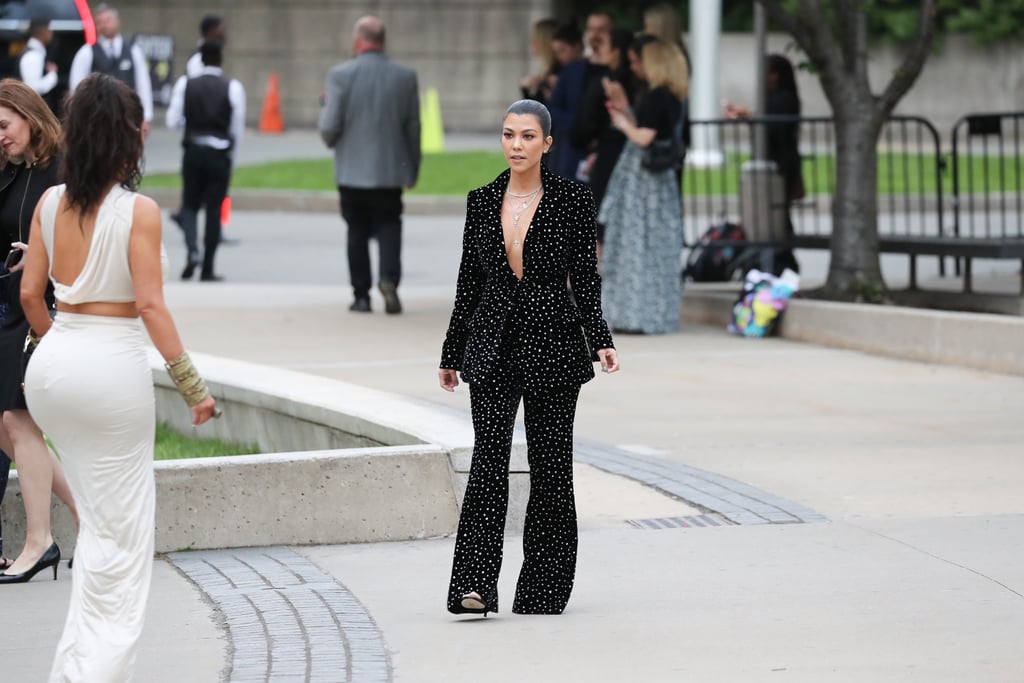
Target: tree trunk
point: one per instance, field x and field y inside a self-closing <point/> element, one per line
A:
<point x="855" y="273"/>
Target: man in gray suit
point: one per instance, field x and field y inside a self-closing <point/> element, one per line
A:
<point x="371" y="118"/>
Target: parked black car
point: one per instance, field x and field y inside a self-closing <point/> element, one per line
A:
<point x="70" y="21"/>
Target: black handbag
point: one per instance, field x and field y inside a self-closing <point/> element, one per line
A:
<point x="666" y="153"/>
<point x="663" y="154"/>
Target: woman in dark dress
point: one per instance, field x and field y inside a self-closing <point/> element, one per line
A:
<point x="782" y="140"/>
<point x="516" y="335"/>
<point x="29" y="140"/>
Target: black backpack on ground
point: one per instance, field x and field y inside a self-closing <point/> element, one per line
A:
<point x="713" y="258"/>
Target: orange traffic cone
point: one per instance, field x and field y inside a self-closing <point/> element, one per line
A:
<point x="270" y="119"/>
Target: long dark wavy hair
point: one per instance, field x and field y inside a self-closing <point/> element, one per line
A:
<point x="102" y="141"/>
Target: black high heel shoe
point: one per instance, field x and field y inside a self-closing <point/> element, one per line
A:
<point x="51" y="558"/>
<point x="471" y="603"/>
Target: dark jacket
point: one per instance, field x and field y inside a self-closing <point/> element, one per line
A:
<point x="492" y="305"/>
<point x="18" y="199"/>
<point x="563" y="104"/>
<point x="783" y="138"/>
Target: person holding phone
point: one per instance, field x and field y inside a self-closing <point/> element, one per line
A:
<point x="517" y="333"/>
<point x="29" y="143"/>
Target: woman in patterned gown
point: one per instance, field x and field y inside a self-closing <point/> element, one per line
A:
<point x="641" y="210"/>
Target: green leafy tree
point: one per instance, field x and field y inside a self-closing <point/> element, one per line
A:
<point x="835" y="37"/>
<point x="988" y="21"/>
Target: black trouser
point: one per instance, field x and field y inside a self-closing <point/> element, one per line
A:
<point x="550" y="533"/>
<point x="205" y="173"/>
<point x="5" y="470"/>
<point x="370" y="213"/>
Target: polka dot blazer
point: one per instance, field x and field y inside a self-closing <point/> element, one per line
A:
<point x="555" y="337"/>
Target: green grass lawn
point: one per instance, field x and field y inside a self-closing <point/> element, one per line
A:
<point x="170" y="445"/>
<point x="456" y="173"/>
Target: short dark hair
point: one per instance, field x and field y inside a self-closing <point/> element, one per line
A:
<point x="37" y="26"/>
<point x="212" y="53"/>
<point x="209" y="23"/>
<point x="641" y="39"/>
<point x="569" y="34"/>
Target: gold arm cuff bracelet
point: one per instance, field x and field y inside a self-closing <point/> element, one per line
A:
<point x="187" y="380"/>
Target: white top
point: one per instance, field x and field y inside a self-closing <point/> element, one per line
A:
<point x="236" y="95"/>
<point x="194" y="65"/>
<point x="107" y="274"/>
<point x="81" y="67"/>
<point x="33" y="68"/>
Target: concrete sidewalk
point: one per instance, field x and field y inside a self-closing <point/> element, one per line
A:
<point x="919" y="575"/>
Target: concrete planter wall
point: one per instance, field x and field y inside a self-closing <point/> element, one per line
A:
<point x="347" y="465"/>
<point x="974" y="340"/>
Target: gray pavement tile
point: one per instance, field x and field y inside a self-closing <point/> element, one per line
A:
<point x="286" y="618"/>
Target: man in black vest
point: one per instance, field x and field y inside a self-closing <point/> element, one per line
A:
<point x="115" y="56"/>
<point x="211" y="110"/>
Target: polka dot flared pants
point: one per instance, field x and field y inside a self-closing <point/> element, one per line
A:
<point x="550" y="534"/>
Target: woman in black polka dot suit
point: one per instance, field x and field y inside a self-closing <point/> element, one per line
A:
<point x="516" y="334"/>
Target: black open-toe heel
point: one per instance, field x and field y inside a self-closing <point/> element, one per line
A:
<point x="471" y="603"/>
<point x="5" y="563"/>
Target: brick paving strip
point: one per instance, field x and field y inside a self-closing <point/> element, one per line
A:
<point x="287" y="620"/>
<point x="733" y="500"/>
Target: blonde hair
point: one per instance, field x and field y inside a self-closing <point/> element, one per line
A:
<point x="543" y="34"/>
<point x="665" y="66"/>
<point x="662" y="22"/>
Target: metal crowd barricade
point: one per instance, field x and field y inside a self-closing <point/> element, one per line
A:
<point x="910" y="170"/>
<point x="992" y="208"/>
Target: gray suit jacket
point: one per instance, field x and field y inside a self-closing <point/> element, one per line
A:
<point x="372" y="120"/>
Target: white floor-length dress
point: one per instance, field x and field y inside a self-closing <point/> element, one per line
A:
<point x="89" y="387"/>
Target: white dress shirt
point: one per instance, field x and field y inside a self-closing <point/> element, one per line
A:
<point x="33" y="68"/>
<point x="81" y="66"/>
<point x="194" y="66"/>
<point x="236" y="95"/>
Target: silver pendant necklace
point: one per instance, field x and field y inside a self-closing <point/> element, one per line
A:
<point x="518" y="212"/>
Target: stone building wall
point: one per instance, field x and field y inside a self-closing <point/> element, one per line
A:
<point x="475" y="51"/>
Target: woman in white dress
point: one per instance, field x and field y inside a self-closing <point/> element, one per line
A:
<point x="89" y="384"/>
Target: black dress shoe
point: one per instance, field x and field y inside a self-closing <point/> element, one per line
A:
<point x="50" y="558"/>
<point x="361" y="305"/>
<point x="210" y="277"/>
<point x="190" y="267"/>
<point x="391" y="303"/>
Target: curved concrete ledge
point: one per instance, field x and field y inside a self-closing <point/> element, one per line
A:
<point x="342" y="464"/>
<point x="974" y="340"/>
